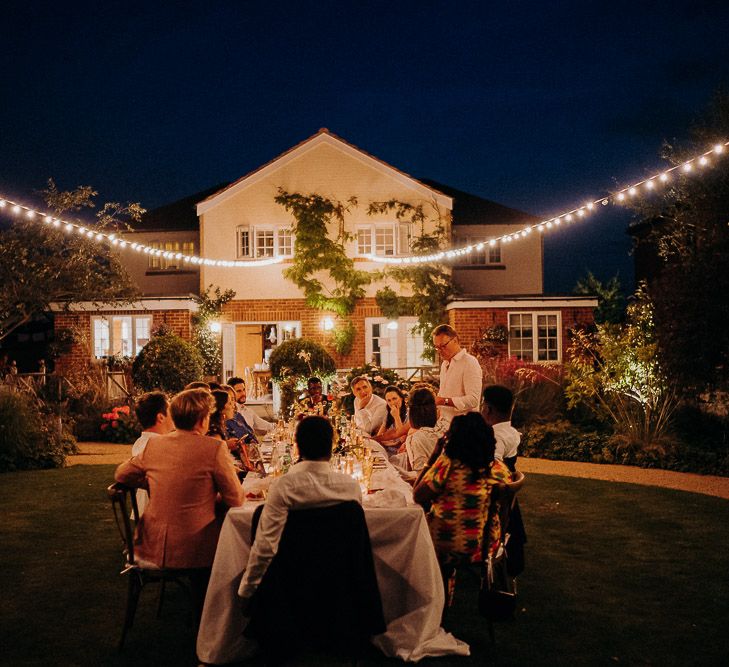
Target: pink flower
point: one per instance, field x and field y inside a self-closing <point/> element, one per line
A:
<point x="104" y="427"/>
<point x="114" y="424"/>
<point x="124" y="409"/>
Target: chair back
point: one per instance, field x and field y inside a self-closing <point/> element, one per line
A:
<point x="124" y="505"/>
<point x="320" y="587"/>
<point x="503" y="497"/>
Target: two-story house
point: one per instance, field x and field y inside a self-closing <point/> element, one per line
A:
<point x="499" y="284"/>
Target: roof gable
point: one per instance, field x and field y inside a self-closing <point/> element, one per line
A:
<point x="323" y="136"/>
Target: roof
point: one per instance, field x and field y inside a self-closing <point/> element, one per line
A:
<point x="180" y="215"/>
<point x="323" y="135"/>
<point x="471" y="209"/>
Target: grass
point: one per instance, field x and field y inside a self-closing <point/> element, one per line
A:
<point x="616" y="573"/>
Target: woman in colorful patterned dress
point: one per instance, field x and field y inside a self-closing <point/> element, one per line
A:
<point x="457" y="485"/>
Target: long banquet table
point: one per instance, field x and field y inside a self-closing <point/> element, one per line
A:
<point x="407" y="573"/>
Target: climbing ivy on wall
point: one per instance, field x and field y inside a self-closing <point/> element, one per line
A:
<point x="316" y="251"/>
<point x="430" y="284"/>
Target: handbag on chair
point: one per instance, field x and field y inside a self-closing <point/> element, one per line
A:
<point x="497" y="595"/>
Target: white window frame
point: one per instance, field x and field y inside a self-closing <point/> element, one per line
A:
<point x="399" y="343"/>
<point x="535" y="315"/>
<point x="106" y="322"/>
<point x="283" y="240"/>
<point x="489" y="255"/>
<point x="401" y="239"/>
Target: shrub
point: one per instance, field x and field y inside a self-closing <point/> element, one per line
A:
<point x="167" y="363"/>
<point x="28" y="438"/>
<point x="293" y="362"/>
<point x="538" y="388"/>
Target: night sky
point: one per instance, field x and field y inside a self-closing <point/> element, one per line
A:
<point x="534" y="107"/>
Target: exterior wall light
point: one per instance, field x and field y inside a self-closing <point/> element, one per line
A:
<point x="215" y="326"/>
<point x="327" y="324"/>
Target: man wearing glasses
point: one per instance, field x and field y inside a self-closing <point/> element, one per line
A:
<point x="460" y="375"/>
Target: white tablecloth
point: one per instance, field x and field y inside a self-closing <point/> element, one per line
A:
<point x="407" y="573"/>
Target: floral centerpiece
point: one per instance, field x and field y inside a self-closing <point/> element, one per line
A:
<point x="120" y="425"/>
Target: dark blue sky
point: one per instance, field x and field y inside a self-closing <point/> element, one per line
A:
<point x="533" y="106"/>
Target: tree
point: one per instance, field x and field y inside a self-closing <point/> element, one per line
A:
<point x="41" y="264"/>
<point x="610" y="299"/>
<point x="689" y="228"/>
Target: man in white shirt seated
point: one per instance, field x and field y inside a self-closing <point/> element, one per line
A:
<point x="370" y="410"/>
<point x="256" y="423"/>
<point x="308" y="484"/>
<point x="460" y="375"/>
<point x="498" y="402"/>
<point x="152" y="410"/>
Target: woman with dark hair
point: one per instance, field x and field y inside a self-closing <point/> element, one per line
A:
<point x="393" y="432"/>
<point x="224" y="410"/>
<point x="457" y="485"/>
<point x="425" y="429"/>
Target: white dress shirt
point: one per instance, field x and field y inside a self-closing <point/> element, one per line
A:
<point x="460" y="380"/>
<point x="507" y="440"/>
<point x="137" y="449"/>
<point x="373" y="415"/>
<point x="308" y="484"/>
<point x="253" y="420"/>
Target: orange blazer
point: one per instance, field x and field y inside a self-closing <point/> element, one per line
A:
<point x="184" y="472"/>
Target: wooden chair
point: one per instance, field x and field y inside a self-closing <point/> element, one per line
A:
<point x="139" y="573"/>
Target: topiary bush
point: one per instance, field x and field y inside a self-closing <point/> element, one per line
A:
<point x="293" y="362"/>
<point x="167" y="363"/>
<point x="29" y="439"/>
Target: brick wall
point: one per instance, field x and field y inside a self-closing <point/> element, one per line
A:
<point x="281" y="310"/>
<point x="470" y="322"/>
<point x="81" y="352"/>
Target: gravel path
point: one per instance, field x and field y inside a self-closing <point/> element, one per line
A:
<point x="91" y="453"/>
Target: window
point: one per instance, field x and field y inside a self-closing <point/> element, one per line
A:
<point x="265" y="241"/>
<point x="155" y="262"/>
<point x="384" y="239"/>
<point x="123" y="335"/>
<point x="489" y="254"/>
<point x="534" y="336"/>
<point x="394" y="344"/>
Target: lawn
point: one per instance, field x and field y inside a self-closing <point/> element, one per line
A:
<point x="616" y="573"/>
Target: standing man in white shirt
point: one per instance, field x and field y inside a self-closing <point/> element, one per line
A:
<point x="370" y="411"/>
<point x="153" y="412"/>
<point x="254" y="422"/>
<point x="460" y="375"/>
<point x="310" y="483"/>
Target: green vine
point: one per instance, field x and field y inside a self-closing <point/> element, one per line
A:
<point x="430" y="284"/>
<point x="315" y="251"/>
<point x="210" y="307"/>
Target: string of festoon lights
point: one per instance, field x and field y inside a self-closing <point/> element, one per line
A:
<point x="113" y="239"/>
<point x="643" y="186"/>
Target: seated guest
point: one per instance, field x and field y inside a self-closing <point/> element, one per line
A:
<point x="152" y="410"/>
<point x="224" y="410"/>
<point x="310" y="483"/>
<point x="198" y="385"/>
<point x="185" y="472"/>
<point x="457" y="486"/>
<point x="425" y="429"/>
<point x="370" y="411"/>
<point x="498" y="403"/>
<point x="393" y="432"/>
<point x="314" y="402"/>
<point x="245" y="422"/>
